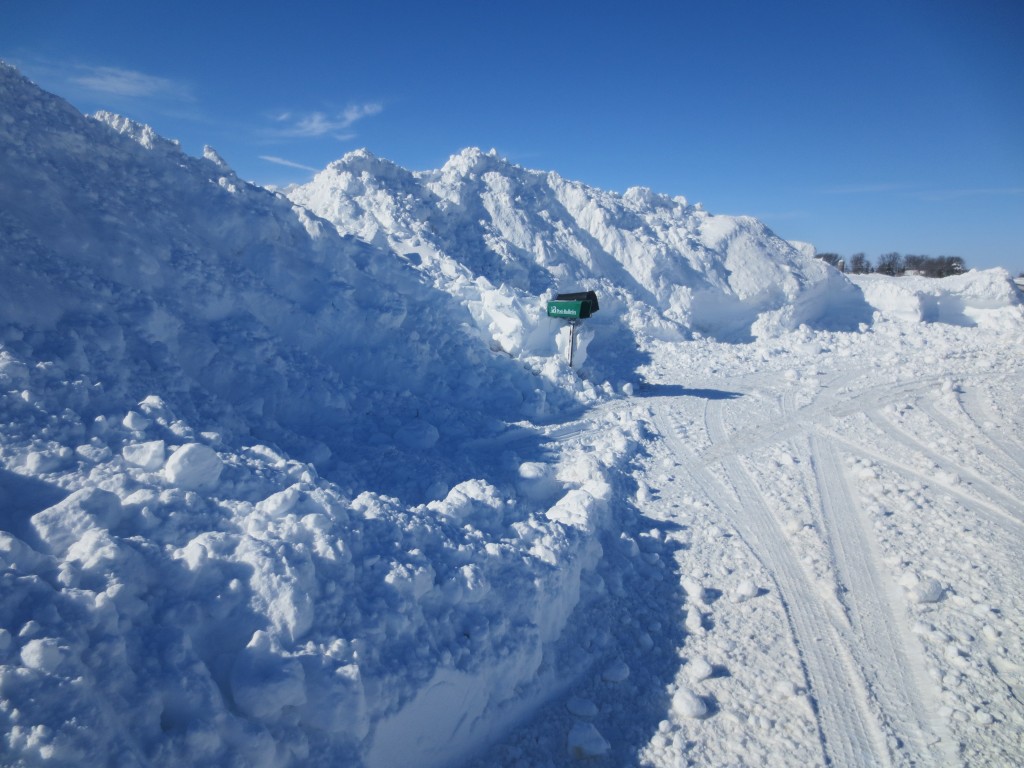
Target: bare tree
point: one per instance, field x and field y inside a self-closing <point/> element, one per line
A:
<point x="859" y="264"/>
<point x="890" y="264"/>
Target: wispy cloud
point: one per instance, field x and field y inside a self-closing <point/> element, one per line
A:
<point x="287" y="163"/>
<point x="942" y="195"/>
<point x="316" y="124"/>
<point x="129" y="83"/>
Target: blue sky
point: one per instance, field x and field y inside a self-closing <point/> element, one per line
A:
<point x="869" y="126"/>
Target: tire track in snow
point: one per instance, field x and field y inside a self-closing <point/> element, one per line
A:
<point x="851" y="734"/>
<point x="848" y="734"/>
<point x="877" y="635"/>
<point x="1004" y="468"/>
<point x="970" y="402"/>
<point x="986" y="494"/>
<point x="797" y="421"/>
<point x="982" y="507"/>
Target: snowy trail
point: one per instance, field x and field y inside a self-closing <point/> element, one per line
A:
<point x="850" y="735"/>
<point x="875" y="695"/>
<point x="877" y="636"/>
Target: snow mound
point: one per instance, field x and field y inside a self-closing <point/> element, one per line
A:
<point x="985" y="298"/>
<point x="504" y="238"/>
<point x="241" y="463"/>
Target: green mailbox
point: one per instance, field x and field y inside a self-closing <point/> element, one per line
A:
<point x="573" y="307"/>
<point x="569" y="310"/>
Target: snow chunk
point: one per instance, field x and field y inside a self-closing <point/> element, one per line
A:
<point x="922" y="590"/>
<point x="585" y="741"/>
<point x="617" y="672"/>
<point x="537" y="481"/>
<point x="193" y="466"/>
<point x="581" y="707"/>
<point x="43" y="653"/>
<point x="686" y="703"/>
<point x="745" y="590"/>
<point x="471" y="499"/>
<point x="576" y="509"/>
<point x="135" y="421"/>
<point x="64" y="524"/>
<point x="264" y="682"/>
<point x="699" y="669"/>
<point x="148" y="456"/>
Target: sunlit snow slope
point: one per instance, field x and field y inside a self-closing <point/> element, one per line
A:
<point x="662" y="267"/>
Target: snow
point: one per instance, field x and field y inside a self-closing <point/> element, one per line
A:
<point x="978" y="298"/>
<point x="282" y="490"/>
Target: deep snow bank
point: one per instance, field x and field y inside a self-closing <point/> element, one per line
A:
<point x="180" y="585"/>
<point x="663" y="267"/>
<point x="986" y="298"/>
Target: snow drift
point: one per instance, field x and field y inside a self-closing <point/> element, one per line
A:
<point x="183" y="357"/>
<point x="662" y="267"/>
<point x="985" y="298"/>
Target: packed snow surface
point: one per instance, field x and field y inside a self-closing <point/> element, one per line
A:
<point x="282" y="490"/>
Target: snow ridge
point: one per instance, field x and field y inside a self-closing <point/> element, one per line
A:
<point x="185" y="359"/>
<point x="665" y="266"/>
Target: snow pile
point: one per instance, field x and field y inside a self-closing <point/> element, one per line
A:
<point x="277" y="494"/>
<point x="986" y="298"/>
<point x="183" y="359"/>
<point x="482" y="226"/>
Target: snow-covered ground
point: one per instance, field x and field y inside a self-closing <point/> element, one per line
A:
<point x="281" y="490"/>
<point x="820" y="560"/>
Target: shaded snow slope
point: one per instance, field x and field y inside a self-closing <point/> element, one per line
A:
<point x="180" y="586"/>
<point x="140" y="266"/>
<point x="661" y="266"/>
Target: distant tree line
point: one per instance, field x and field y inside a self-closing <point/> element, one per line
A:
<point x="895" y="264"/>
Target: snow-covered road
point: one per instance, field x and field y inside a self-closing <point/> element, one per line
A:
<point x="833" y="525"/>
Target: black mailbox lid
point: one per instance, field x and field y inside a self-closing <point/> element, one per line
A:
<point x="580" y="296"/>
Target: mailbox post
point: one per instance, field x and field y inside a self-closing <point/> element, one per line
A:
<point x="573" y="308"/>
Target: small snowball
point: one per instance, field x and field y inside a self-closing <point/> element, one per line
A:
<point x="135" y="421"/>
<point x="745" y="590"/>
<point x="928" y="591"/>
<point x="193" y="466"/>
<point x="686" y="703"/>
<point x="699" y="669"/>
